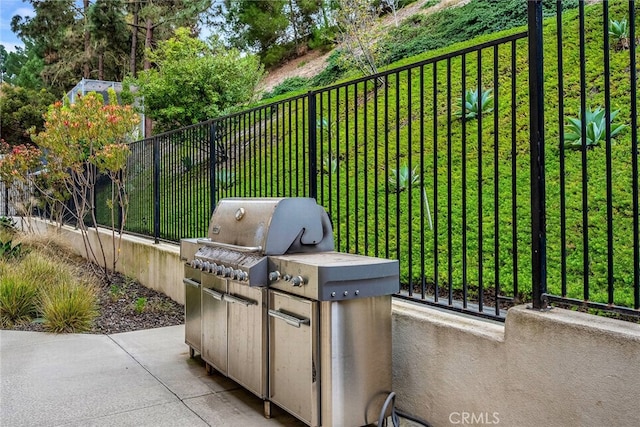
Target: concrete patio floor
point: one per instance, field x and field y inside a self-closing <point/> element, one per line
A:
<point x="142" y="378"/>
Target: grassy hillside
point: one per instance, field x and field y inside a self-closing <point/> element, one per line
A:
<point x="471" y="172"/>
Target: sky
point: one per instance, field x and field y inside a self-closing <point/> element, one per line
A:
<point x="8" y="9"/>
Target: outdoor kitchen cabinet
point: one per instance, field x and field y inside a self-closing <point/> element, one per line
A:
<point x="214" y="323"/>
<point x="234" y="331"/>
<point x="192" y="313"/>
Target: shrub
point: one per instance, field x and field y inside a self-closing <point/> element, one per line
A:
<point x="334" y="70"/>
<point x="18" y="298"/>
<point x="69" y="307"/>
<point x="8" y="250"/>
<point x="596" y="128"/>
<point x="7" y="224"/>
<point x="290" y="84"/>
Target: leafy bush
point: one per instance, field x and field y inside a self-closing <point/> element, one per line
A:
<point x="8" y="250"/>
<point x="596" y="128"/>
<point x="18" y="298"/>
<point x="69" y="307"/>
<point x="7" y="223"/>
<point x="335" y="69"/>
<point x="290" y="84"/>
<point x="475" y="104"/>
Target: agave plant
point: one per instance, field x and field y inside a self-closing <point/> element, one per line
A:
<point x="596" y="126"/>
<point x="403" y="179"/>
<point x="619" y="30"/>
<point x="475" y="103"/>
<point x="225" y="178"/>
<point x="329" y="165"/>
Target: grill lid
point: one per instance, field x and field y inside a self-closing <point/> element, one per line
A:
<point x="271" y="226"/>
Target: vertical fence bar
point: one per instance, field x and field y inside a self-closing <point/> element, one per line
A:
<point x="313" y="146"/>
<point x="583" y="152"/>
<point x="436" y="251"/>
<point x="213" y="131"/>
<point x="633" y="82"/>
<point x="496" y="186"/>
<point x="514" y="171"/>
<point x="563" y="201"/>
<point x="422" y="186"/>
<point x="607" y="113"/>
<point x="465" y="287"/>
<point x="480" y="211"/>
<point x="376" y="210"/>
<point x="156" y="191"/>
<point x="449" y="186"/>
<point x="536" y="117"/>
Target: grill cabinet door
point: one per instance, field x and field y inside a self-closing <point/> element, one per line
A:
<point x="192" y="317"/>
<point x="293" y="370"/>
<point x="214" y="322"/>
<point x="247" y="336"/>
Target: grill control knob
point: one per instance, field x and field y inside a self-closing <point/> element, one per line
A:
<point x="298" y="281"/>
<point x="206" y="266"/>
<point x="274" y="276"/>
<point x="241" y="275"/>
<point x="219" y="270"/>
<point x="192" y="263"/>
<point x="198" y="263"/>
<point x="228" y="272"/>
<point x="213" y="267"/>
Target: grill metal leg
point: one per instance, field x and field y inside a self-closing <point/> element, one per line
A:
<point x="267" y="409"/>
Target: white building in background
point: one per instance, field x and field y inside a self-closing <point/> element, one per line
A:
<point x="85" y="86"/>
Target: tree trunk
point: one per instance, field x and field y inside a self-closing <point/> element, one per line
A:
<point x="148" y="126"/>
<point x="147" y="42"/>
<point x="87" y="41"/>
<point x="133" y="64"/>
<point x="101" y="65"/>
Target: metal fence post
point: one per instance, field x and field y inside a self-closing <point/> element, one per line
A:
<point x="156" y="190"/>
<point x="536" y="117"/>
<point x="313" y="146"/>
<point x="212" y="165"/>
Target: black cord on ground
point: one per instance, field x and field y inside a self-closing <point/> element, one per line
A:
<point x="395" y="414"/>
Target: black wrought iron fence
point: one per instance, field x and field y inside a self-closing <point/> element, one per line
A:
<point x="461" y="166"/>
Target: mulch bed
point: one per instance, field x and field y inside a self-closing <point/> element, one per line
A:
<point x="125" y="306"/>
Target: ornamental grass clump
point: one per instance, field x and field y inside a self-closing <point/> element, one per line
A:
<point x="69" y="306"/>
<point x="18" y="297"/>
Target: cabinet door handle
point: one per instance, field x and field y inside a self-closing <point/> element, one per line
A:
<point x="289" y="319"/>
<point x="237" y="300"/>
<point x="214" y="294"/>
<point x="190" y="282"/>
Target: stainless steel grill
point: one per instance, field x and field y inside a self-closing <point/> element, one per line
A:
<point x="271" y="305"/>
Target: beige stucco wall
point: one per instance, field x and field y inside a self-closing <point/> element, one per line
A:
<point x="556" y="368"/>
<point x="157" y="266"/>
